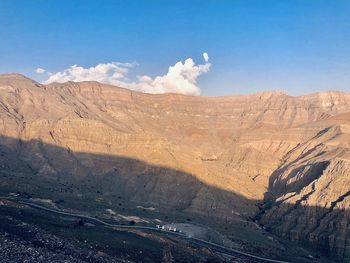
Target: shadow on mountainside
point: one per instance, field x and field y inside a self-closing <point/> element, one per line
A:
<point x="90" y="182"/>
<point x="325" y="227"/>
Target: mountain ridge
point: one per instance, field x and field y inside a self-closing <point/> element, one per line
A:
<point x="286" y="158"/>
<point x="268" y="92"/>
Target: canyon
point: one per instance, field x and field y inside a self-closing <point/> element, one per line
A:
<point x="268" y="159"/>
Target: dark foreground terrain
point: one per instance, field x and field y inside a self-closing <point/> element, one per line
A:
<point x="29" y="234"/>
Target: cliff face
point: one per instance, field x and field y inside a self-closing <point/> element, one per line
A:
<point x="281" y="159"/>
<point x="310" y="195"/>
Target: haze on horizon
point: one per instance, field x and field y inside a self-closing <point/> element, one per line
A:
<point x="189" y="47"/>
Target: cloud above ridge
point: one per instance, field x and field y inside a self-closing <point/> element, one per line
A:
<point x="110" y="73"/>
<point x="180" y="78"/>
<point x="206" y="56"/>
<point x="40" y="71"/>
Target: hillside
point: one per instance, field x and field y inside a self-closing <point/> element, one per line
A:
<point x="269" y="158"/>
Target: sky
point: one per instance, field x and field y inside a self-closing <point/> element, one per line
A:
<point x="207" y="47"/>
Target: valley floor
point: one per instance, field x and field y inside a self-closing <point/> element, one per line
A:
<point x="29" y="234"/>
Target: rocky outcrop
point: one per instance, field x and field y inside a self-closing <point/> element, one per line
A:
<point x="309" y="198"/>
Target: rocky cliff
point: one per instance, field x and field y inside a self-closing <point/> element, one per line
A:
<point x="282" y="160"/>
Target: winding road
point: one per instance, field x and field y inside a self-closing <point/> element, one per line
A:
<point x="201" y="242"/>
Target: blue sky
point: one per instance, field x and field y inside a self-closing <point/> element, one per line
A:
<point x="299" y="46"/>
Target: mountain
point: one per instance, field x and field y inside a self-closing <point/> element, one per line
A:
<point x="269" y="160"/>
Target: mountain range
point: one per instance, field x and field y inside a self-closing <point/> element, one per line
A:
<point x="242" y="165"/>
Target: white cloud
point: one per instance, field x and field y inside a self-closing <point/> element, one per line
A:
<point x="206" y="56"/>
<point x="111" y="73"/>
<point x="40" y="70"/>
<point x="180" y="78"/>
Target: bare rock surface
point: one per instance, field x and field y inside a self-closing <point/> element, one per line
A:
<point x="282" y="160"/>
